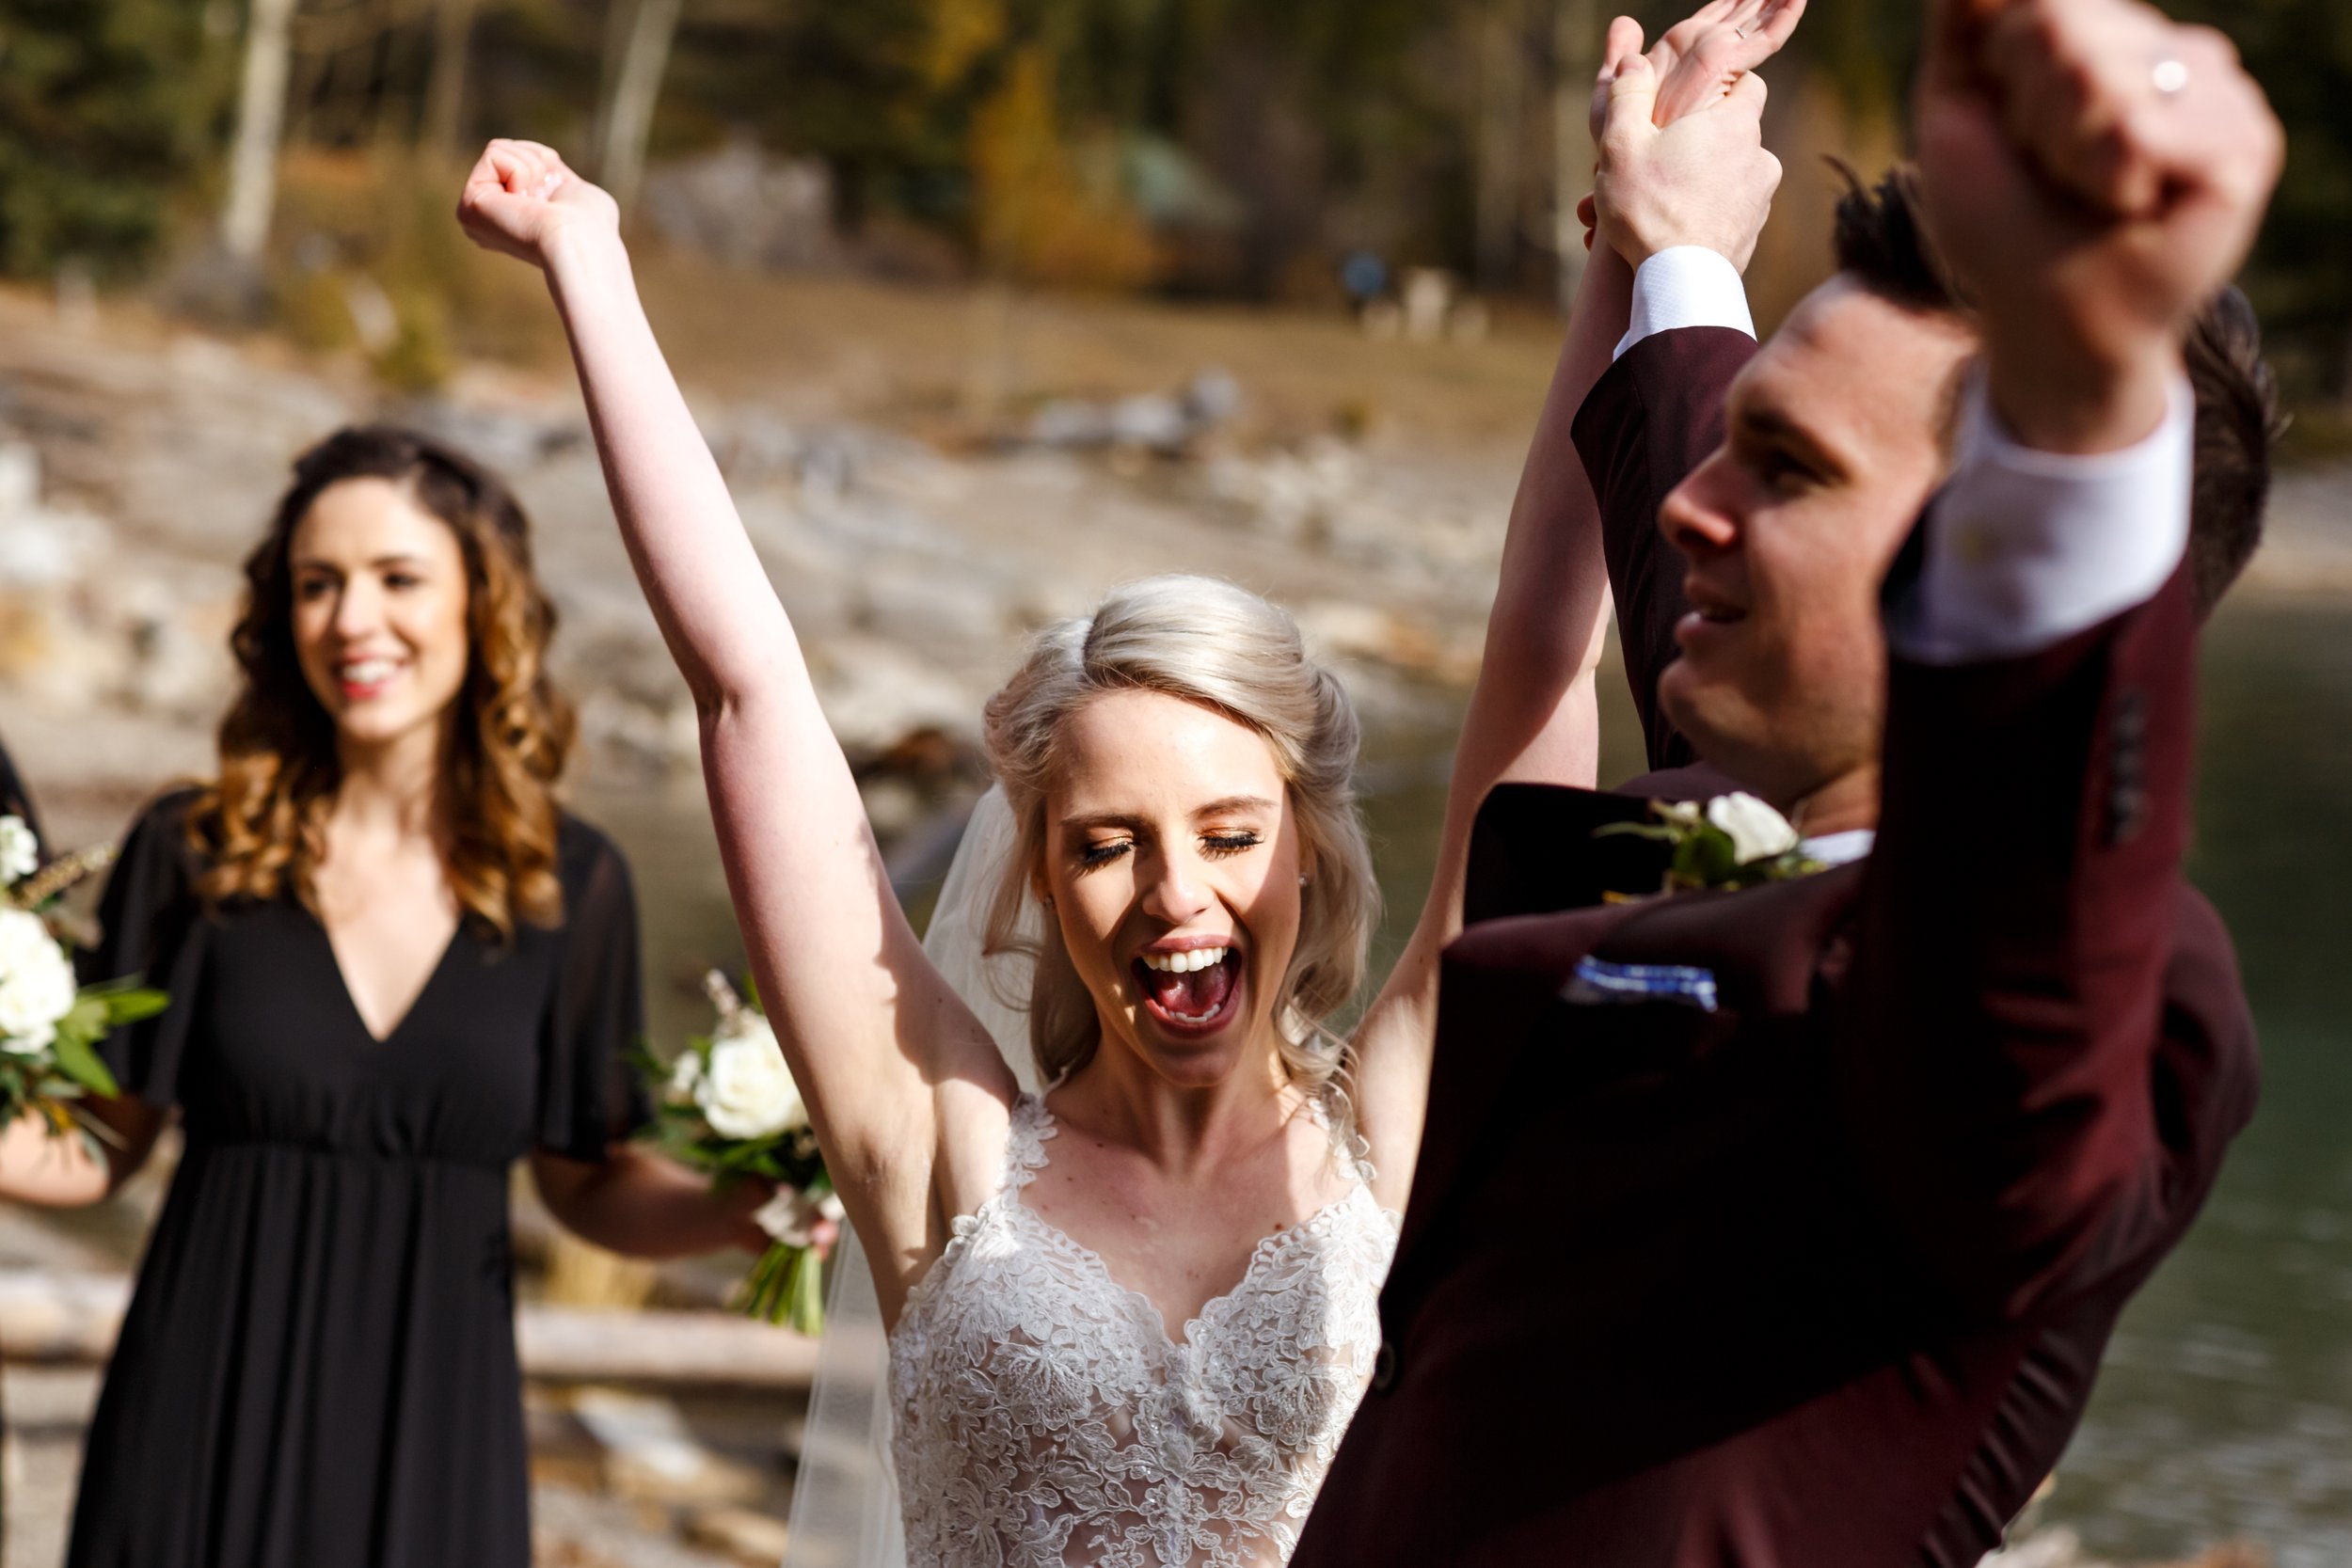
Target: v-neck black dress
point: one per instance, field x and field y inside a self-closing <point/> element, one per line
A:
<point x="318" y="1370"/>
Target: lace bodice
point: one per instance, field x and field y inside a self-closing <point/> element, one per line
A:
<point x="1042" y="1417"/>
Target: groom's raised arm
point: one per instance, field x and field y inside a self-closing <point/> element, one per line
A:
<point x="1684" y="206"/>
<point x="2043" y="1057"/>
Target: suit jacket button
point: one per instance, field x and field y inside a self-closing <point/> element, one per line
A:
<point x="1384" y="1368"/>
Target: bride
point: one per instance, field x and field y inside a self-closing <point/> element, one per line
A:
<point x="1128" y="1320"/>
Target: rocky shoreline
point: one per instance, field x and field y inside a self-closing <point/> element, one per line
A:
<point x="136" y="469"/>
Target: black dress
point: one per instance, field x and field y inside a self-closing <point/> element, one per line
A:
<point x="14" y="802"/>
<point x="318" y="1368"/>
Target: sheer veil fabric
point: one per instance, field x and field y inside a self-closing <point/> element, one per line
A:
<point x="845" y="1503"/>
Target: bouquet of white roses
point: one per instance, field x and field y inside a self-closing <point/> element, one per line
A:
<point x="726" y="1104"/>
<point x="49" y="1026"/>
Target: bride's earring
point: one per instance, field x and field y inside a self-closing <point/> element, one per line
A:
<point x="1303" y="879"/>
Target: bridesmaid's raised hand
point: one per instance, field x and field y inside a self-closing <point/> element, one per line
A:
<point x="520" y="197"/>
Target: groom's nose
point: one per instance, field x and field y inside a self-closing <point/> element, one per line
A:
<point x="1700" y="516"/>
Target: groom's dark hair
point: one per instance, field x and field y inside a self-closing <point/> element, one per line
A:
<point x="1883" y="244"/>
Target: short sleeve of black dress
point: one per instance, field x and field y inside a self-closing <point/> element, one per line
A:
<point x="152" y="927"/>
<point x="590" y="1095"/>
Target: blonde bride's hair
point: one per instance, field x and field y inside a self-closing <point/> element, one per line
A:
<point x="1206" y="642"/>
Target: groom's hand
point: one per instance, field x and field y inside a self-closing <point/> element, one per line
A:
<point x="1705" y="179"/>
<point x="2096" y="174"/>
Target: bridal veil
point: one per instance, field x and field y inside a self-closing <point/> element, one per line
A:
<point x="845" y="1501"/>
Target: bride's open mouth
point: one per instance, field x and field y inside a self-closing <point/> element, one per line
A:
<point x="1191" y="991"/>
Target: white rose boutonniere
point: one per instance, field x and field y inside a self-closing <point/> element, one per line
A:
<point x="1733" y="841"/>
<point x="1758" y="832"/>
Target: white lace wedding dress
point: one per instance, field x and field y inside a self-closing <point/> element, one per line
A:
<point x="1043" y="1419"/>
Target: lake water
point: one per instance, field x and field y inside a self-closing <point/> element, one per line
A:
<point x="2225" y="1411"/>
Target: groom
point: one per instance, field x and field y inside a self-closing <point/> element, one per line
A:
<point x="1800" y="1227"/>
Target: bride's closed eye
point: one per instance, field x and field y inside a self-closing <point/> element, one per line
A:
<point x="1217" y="846"/>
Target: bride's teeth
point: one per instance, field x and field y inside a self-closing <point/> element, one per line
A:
<point x="368" y="671"/>
<point x="1184" y="963"/>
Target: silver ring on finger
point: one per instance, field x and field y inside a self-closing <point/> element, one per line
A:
<point x="2169" y="76"/>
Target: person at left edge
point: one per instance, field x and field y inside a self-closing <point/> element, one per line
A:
<point x="14" y="801"/>
<point x="395" y="967"/>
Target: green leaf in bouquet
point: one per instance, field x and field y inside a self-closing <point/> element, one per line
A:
<point x="85" y="1023"/>
<point x="805" y="1294"/>
<point x="79" y="1063"/>
<point x="126" y="1007"/>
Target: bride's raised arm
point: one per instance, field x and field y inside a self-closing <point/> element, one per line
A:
<point x="881" y="1046"/>
<point x="1534" y="713"/>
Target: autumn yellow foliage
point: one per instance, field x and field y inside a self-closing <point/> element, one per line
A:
<point x="1043" y="213"/>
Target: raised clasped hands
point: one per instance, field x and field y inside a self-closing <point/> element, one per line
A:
<point x="521" y="199"/>
<point x="2096" y="172"/>
<point x="1700" y="59"/>
<point x="1679" y="131"/>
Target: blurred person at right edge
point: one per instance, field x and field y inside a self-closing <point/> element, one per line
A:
<point x="1801" y="1228"/>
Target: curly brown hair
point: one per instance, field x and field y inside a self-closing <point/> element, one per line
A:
<point x="260" y="827"/>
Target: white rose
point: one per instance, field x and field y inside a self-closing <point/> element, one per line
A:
<point x="791" y="1218"/>
<point x="19" y="852"/>
<point x="748" y="1092"/>
<point x="685" y="1075"/>
<point x="37" y="986"/>
<point x="1758" y="832"/>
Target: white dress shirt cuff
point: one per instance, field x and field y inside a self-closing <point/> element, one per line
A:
<point x="1686" y="285"/>
<point x="2026" y="549"/>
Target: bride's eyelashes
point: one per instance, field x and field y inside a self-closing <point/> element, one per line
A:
<point x="1215" y="846"/>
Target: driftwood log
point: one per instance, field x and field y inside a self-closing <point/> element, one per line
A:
<point x="57" y="1318"/>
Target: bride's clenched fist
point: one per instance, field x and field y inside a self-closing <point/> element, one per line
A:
<point x="521" y="199"/>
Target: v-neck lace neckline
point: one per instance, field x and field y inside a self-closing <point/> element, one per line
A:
<point x="1037" y="1403"/>
<point x="1267" y="1248"/>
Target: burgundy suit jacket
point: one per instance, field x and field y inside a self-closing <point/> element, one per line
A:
<point x="1820" y="1277"/>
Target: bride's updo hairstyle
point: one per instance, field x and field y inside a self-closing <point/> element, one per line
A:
<point x="1226" y="649"/>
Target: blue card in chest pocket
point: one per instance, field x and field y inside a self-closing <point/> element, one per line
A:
<point x="1598" y="981"/>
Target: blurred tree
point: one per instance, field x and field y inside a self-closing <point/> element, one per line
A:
<point x="2301" y="278"/>
<point x="636" y="78"/>
<point x="106" y="109"/>
<point x="1043" y="213"/>
<point x="445" y="93"/>
<point x="261" y="120"/>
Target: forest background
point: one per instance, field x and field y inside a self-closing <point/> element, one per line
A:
<point x="252" y="155"/>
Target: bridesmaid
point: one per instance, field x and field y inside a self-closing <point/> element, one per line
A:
<point x="396" y="967"/>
